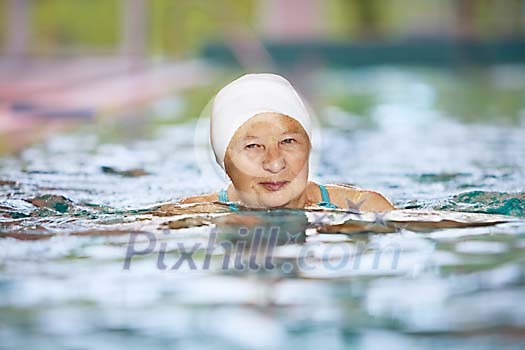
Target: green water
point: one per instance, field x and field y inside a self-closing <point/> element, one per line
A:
<point x="444" y="140"/>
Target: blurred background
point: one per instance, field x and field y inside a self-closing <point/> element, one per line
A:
<point x="64" y="62"/>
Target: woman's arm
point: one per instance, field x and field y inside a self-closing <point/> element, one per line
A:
<point x="356" y="198"/>
<point x="375" y="201"/>
<point x="202" y="198"/>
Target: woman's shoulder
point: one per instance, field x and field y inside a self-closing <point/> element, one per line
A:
<point x="345" y="196"/>
<point x="201" y="198"/>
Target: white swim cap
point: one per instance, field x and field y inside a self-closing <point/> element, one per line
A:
<point x="247" y="96"/>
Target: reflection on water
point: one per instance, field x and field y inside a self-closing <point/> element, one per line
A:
<point x="413" y="286"/>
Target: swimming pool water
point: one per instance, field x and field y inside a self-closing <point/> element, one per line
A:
<point x="427" y="139"/>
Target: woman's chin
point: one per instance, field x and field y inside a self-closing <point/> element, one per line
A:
<point x="275" y="201"/>
<point x="270" y="199"/>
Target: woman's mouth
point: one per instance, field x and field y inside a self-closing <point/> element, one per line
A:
<point x="274" y="186"/>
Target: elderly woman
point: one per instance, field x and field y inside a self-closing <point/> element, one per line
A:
<point x="261" y="136"/>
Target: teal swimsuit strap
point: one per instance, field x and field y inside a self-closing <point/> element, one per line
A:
<point x="223" y="197"/>
<point x="325" y="198"/>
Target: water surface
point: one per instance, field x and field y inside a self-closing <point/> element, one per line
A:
<point x="427" y="139"/>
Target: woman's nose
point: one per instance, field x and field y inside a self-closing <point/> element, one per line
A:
<point x="274" y="161"/>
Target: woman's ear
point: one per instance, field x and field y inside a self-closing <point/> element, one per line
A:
<point x="227" y="164"/>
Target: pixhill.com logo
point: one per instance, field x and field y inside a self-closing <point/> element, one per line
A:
<point x="259" y="248"/>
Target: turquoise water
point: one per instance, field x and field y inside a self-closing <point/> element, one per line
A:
<point x="443" y="140"/>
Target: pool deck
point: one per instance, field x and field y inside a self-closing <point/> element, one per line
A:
<point x="40" y="97"/>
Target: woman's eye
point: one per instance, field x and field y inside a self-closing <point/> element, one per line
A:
<point x="288" y="140"/>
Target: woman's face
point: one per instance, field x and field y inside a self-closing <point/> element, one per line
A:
<point x="267" y="160"/>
